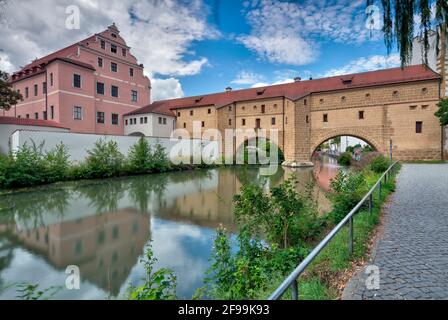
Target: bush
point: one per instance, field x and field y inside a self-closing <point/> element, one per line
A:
<point x="57" y="164"/>
<point x="347" y="189"/>
<point x="140" y="158"/>
<point x="160" y="160"/>
<point x="345" y="159"/>
<point x="26" y="167"/>
<point x="379" y="164"/>
<point x="104" y="160"/>
<point x="4" y="163"/>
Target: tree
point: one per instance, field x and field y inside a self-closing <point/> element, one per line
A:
<point x="8" y="96"/>
<point x="398" y="25"/>
<point x="442" y="113"/>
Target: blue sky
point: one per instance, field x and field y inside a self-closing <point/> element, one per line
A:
<point x="194" y="47"/>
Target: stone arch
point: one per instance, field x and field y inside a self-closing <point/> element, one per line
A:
<point x="370" y="138"/>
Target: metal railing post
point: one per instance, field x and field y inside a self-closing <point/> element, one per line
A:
<point x="295" y="290"/>
<point x="350" y="236"/>
<point x="379" y="192"/>
<point x="370" y="203"/>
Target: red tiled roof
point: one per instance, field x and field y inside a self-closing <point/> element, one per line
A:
<point x="30" y="122"/>
<point x="158" y="107"/>
<point x="298" y="90"/>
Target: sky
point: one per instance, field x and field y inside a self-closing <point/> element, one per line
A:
<point x="193" y="47"/>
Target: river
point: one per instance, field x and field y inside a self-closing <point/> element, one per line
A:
<point x="103" y="227"/>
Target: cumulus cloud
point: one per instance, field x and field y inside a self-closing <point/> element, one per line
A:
<point x="247" y="77"/>
<point x="166" y="89"/>
<point x="363" y="64"/>
<point x="159" y="32"/>
<point x="288" y="31"/>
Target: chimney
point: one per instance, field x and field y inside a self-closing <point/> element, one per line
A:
<point x="297" y="79"/>
<point x="228" y="89"/>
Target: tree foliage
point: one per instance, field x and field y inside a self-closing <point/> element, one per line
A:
<point x="398" y="27"/>
<point x="442" y="113"/>
<point x="8" y="96"/>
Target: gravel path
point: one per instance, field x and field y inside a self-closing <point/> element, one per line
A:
<point x="412" y="250"/>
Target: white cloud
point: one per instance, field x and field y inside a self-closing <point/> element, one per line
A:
<point x="288" y="32"/>
<point x="247" y="77"/>
<point x="166" y="89"/>
<point x="159" y="32"/>
<point x="365" y="64"/>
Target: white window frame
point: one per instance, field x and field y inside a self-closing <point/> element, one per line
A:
<point x="104" y="117"/>
<point x="132" y="95"/>
<point x="104" y="88"/>
<point x="118" y="91"/>
<point x="80" y="81"/>
<point x="111" y="70"/>
<point x="82" y="113"/>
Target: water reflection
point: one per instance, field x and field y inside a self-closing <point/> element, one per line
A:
<point x="103" y="227"/>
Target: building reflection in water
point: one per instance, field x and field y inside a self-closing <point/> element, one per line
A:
<point x="103" y="226"/>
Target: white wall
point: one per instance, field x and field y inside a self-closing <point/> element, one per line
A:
<point x="6" y="130"/>
<point x="152" y="128"/>
<point x="79" y="143"/>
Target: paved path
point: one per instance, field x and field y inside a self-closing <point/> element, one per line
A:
<point x="412" y="250"/>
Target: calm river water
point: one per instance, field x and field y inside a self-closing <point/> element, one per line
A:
<point x="103" y="227"/>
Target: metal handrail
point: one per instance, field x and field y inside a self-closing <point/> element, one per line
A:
<point x="291" y="280"/>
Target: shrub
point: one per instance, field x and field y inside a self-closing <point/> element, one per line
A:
<point x="104" y="160"/>
<point x="57" y="164"/>
<point x="345" y="159"/>
<point x="26" y="167"/>
<point x="379" y="164"/>
<point x="347" y="189"/>
<point x="4" y="163"/>
<point x="160" y="160"/>
<point x="140" y="158"/>
<point x="157" y="285"/>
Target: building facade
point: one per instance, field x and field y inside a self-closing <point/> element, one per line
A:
<point x="392" y="110"/>
<point x="87" y="86"/>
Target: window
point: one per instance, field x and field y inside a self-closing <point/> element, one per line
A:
<point x="164" y="120"/>
<point x="103" y="44"/>
<point x="209" y="111"/>
<point x="243" y="122"/>
<point x="230" y="122"/>
<point x="36" y="115"/>
<point x="27" y="115"/>
<point x="126" y="122"/>
<point x="418" y="127"/>
<point x="203" y="124"/>
<point x="131" y="72"/>
<point x="185" y="125"/>
<point x="114" y="119"/>
<point x="343" y="98"/>
<point x="425" y="106"/>
<point x="395" y="93"/>
<point x="113" y="67"/>
<point x="178" y="114"/>
<point x="321" y="101"/>
<point x="124" y="52"/>
<point x="100" y="62"/>
<point x="361" y="115"/>
<point x="77" y="113"/>
<point x="141" y="120"/>
<point x="100" y="117"/>
<point x="44" y="87"/>
<point x="160" y="120"/>
<point x="368" y="95"/>
<point x="114" y="91"/>
<point x="304" y="102"/>
<point x="412" y="107"/>
<point x="230" y="108"/>
<point x="191" y="112"/>
<point x="307" y="119"/>
<point x="36" y="89"/>
<point x="134" y="95"/>
<point x="325" y="117"/>
<point x="146" y="119"/>
<point x="272" y="121"/>
<point x="44" y="115"/>
<point x="424" y="90"/>
<point x="100" y="88"/>
<point x="263" y="108"/>
<point x="113" y="35"/>
<point x="51" y="79"/>
<point x="52" y="112"/>
<point x="27" y="93"/>
<point x="76" y="81"/>
<point x="113" y="48"/>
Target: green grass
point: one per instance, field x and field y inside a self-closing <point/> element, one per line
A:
<point x="321" y="279"/>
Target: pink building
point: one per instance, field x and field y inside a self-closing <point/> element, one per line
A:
<point x="86" y="87"/>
